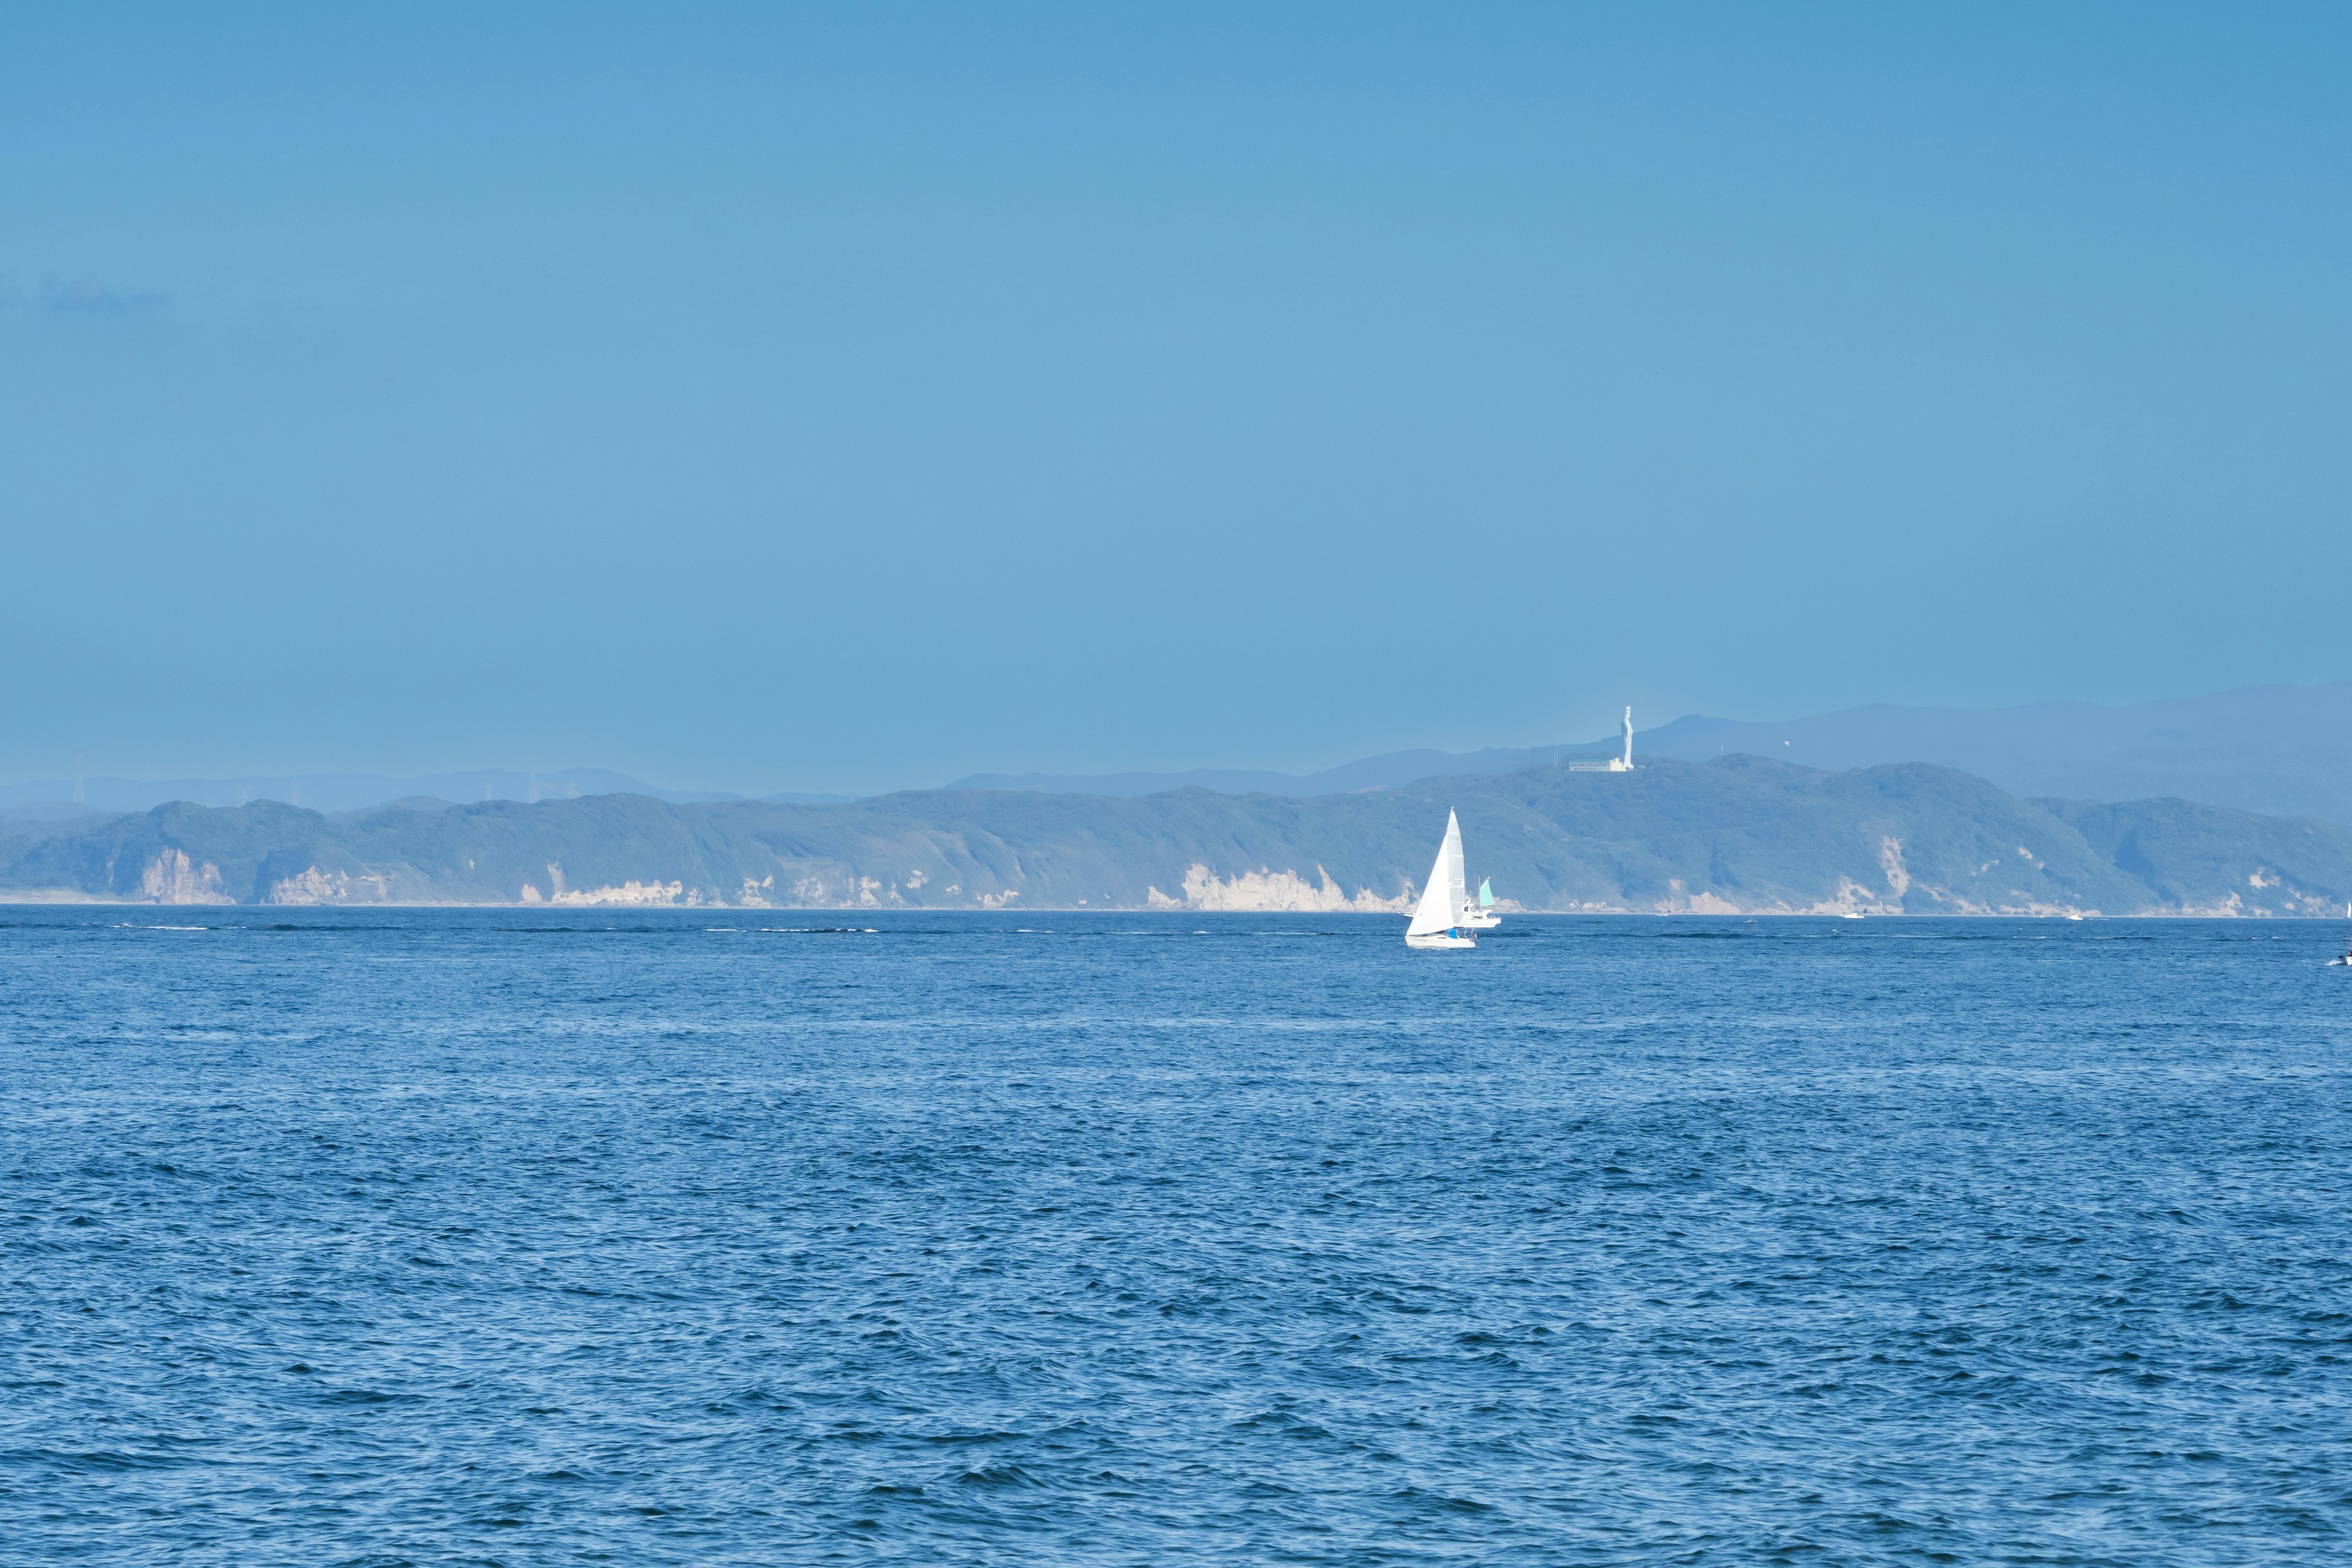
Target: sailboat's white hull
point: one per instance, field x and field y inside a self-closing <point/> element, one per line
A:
<point x="1480" y="919"/>
<point x="1437" y="918"/>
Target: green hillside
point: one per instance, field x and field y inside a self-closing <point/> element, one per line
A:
<point x="1736" y="835"/>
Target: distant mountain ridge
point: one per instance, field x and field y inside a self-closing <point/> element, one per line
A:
<point x="47" y="799"/>
<point x="1737" y="835"/>
<point x="2275" y="750"/>
<point x="1387" y="771"/>
<point x="2278" y="750"/>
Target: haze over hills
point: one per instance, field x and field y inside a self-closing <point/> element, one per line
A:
<point x="2276" y="750"/>
<point x="2284" y="750"/>
<point x="38" y="799"/>
<point x="1736" y="834"/>
<point x="1387" y="771"/>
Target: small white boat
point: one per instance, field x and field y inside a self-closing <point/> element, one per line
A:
<point x="1437" y="919"/>
<point x="1850" y="914"/>
<point x="2347" y="960"/>
<point x="1478" y="914"/>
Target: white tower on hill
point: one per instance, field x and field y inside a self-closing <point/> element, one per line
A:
<point x="1617" y="764"/>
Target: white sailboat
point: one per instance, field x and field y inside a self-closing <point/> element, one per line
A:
<point x="2347" y="960"/>
<point x="1437" y="919"/>
<point x="1478" y="913"/>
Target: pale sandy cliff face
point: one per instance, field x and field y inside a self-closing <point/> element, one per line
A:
<point x="172" y="878"/>
<point x="1742" y="836"/>
<point x="1268" y="891"/>
<point x="313" y="885"/>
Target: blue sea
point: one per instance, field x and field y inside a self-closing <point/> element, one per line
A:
<point x="754" y="1237"/>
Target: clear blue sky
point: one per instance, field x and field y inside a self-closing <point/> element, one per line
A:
<point x="768" y="398"/>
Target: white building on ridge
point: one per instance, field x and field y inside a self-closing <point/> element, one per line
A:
<point x="1619" y="765"/>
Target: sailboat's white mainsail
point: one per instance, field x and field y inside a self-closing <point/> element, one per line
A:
<point x="1441" y="901"/>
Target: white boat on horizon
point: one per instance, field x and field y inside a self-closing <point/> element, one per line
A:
<point x="1478" y="914"/>
<point x="1437" y="919"/>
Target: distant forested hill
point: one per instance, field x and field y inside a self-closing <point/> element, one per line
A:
<point x="2278" y="749"/>
<point x="1739" y="834"/>
<point x="2284" y="750"/>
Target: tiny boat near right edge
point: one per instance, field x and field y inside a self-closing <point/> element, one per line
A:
<point x="1478" y="913"/>
<point x="1437" y="919"/>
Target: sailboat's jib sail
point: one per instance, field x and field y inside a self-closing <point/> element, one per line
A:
<point x="1441" y="900"/>
<point x="1486" y="894"/>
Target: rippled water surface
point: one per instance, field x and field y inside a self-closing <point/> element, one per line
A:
<point x="550" y="1237"/>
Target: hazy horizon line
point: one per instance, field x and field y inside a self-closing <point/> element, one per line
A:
<point x="532" y="775"/>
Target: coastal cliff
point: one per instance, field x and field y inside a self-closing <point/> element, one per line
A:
<point x="1740" y="835"/>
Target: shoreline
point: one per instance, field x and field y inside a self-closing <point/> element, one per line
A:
<point x="16" y="901"/>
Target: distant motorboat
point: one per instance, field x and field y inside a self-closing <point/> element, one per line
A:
<point x="1479" y="914"/>
<point x="1437" y="919"/>
<point x="1850" y="914"/>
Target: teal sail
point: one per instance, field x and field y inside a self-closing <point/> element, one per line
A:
<point x="1486" y="894"/>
